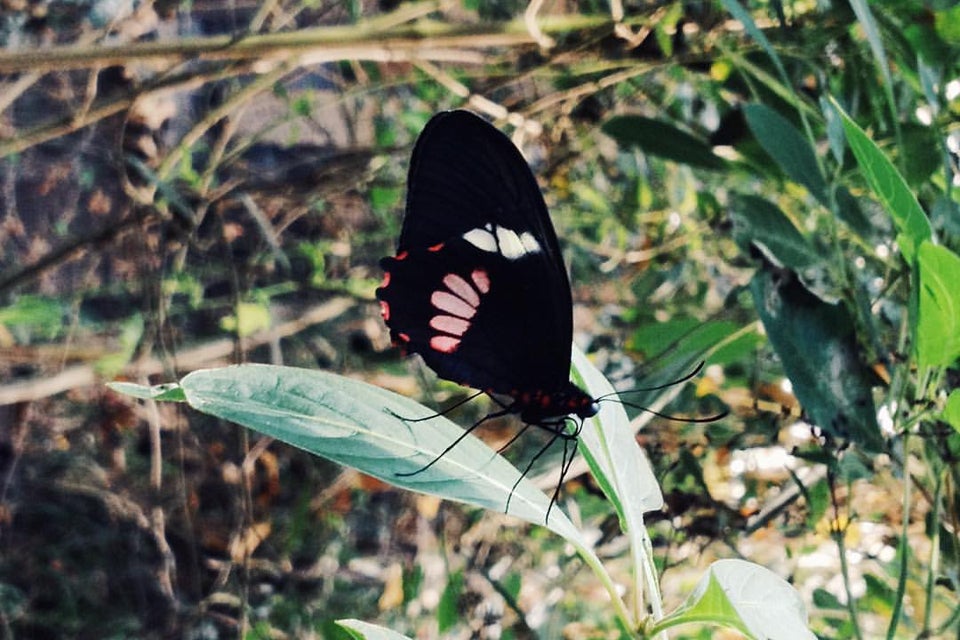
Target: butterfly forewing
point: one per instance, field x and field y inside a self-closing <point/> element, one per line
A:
<point x="478" y="287"/>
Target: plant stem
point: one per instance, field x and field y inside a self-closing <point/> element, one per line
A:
<point x="839" y="531"/>
<point x="903" y="551"/>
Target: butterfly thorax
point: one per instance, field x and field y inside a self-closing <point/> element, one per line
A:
<point x="539" y="407"/>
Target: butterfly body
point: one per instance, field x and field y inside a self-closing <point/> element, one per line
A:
<point x="478" y="288"/>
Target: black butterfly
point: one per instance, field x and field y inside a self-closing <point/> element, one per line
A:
<point x="478" y="287"/>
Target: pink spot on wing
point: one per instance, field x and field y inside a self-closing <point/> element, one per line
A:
<point x="385" y="310"/>
<point x="402" y="255"/>
<point x="444" y="344"/>
<point x="462" y="288"/>
<point x="452" y="304"/>
<point x="404" y="337"/>
<point x="386" y="280"/>
<point x="449" y="324"/>
<point x="481" y="280"/>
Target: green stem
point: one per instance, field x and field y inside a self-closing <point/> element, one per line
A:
<point x="903" y="551"/>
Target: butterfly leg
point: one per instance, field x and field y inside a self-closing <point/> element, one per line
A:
<point x="439" y="413"/>
<point x="459" y="439"/>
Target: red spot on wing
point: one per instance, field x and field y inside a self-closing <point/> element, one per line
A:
<point x="435" y="247"/>
<point x="402" y="255"/>
<point x="403" y="337"/>
<point x="385" y="311"/>
<point x="386" y="280"/>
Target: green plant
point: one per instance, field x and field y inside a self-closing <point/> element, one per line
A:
<point x="356" y="424"/>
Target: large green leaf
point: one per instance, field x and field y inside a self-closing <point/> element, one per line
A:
<point x="358" y="425"/>
<point x="789" y="149"/>
<point x="622" y="471"/>
<point x="938" y="323"/>
<point x="817" y="346"/>
<point x="744" y="596"/>
<point x="889" y="186"/>
<point x="663" y="139"/>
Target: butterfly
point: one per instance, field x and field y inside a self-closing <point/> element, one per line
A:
<point x="478" y="287"/>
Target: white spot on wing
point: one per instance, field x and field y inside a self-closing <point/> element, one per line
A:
<point x="481" y="239"/>
<point x="506" y="242"/>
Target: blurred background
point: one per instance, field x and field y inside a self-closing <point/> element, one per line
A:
<point x="187" y="185"/>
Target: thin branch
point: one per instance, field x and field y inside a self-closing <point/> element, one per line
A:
<point x="202" y="355"/>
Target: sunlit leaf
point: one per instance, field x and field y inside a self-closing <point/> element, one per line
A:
<point x="889" y="186"/>
<point x="938" y="325"/>
<point x="662" y="139"/>
<point x="357" y="425"/>
<point x="744" y="596"/>
<point x="248" y="318"/>
<point x="951" y="411"/>
<point x="788" y="148"/>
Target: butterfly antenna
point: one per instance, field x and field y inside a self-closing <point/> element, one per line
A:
<point x="665" y="416"/>
<point x="459" y="439"/>
<point x="667" y="385"/>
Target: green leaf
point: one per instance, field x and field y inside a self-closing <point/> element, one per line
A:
<point x="947" y="23"/>
<point x="889" y="186"/>
<point x="36" y="312"/>
<point x="747" y="597"/>
<point x="249" y="318"/>
<point x="170" y="391"/>
<point x="616" y="460"/>
<point x="817" y="346"/>
<point x="938" y="322"/>
<point x="760" y="223"/>
<point x="789" y="149"/>
<point x="921" y="151"/>
<point x="663" y="139"/>
<point x="358" y="425"/>
<point x="365" y="631"/>
<point x="951" y="410"/>
<point x="739" y="13"/>
<point x="448" y="609"/>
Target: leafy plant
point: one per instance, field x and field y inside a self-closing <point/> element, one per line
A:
<point x="359" y="425"/>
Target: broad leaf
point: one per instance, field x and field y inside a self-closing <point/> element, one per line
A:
<point x="938" y="326"/>
<point x="889" y="186"/>
<point x="663" y="139"/>
<point x="789" y="149"/>
<point x="817" y="346"/>
<point x="620" y="467"/>
<point x="358" y="425"/>
<point x="744" y="596"/>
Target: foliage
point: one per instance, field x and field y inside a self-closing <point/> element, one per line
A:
<point x="775" y="194"/>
